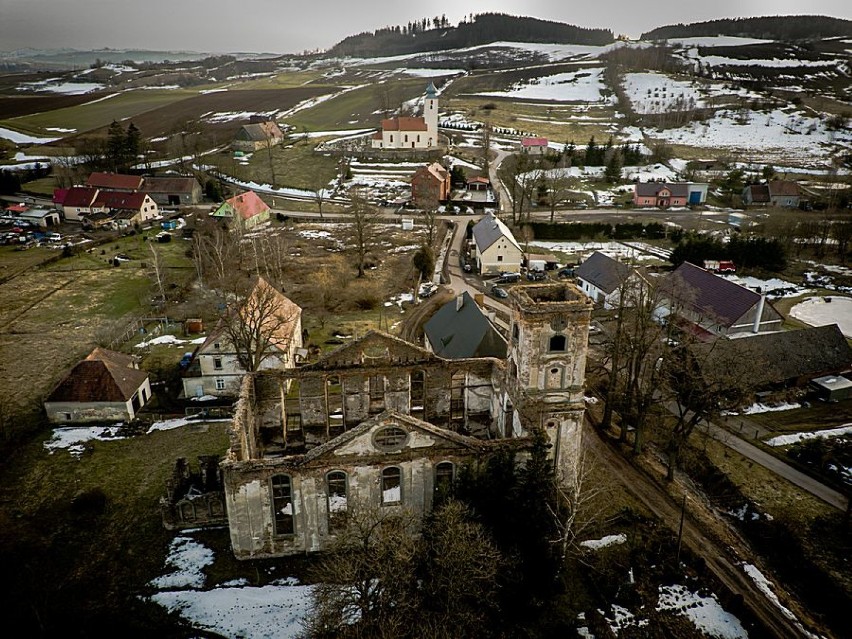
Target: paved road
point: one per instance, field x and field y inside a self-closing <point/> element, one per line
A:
<point x="779" y="467"/>
<point x="723" y="560"/>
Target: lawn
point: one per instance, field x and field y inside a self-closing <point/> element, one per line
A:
<point x="296" y="166"/>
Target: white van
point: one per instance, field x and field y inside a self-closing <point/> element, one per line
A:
<point x="54" y="237"/>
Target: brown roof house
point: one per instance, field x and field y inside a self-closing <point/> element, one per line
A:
<point x="115" y="182"/>
<point x="266" y="314"/>
<point x="257" y="135"/>
<point x="780" y="193"/>
<point x="712" y="306"/>
<point x="106" y="386"/>
<point x="126" y="209"/>
<point x="78" y="202"/>
<point x="247" y="210"/>
<point x="430" y="184"/>
<point x="173" y="191"/>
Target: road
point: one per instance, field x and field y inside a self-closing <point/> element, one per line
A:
<point x="777" y="466"/>
<point x="724" y="560"/>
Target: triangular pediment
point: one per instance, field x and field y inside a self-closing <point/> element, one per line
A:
<point x="391" y="433"/>
<point x="374" y="349"/>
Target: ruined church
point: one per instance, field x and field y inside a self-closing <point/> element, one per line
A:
<point x="386" y="423"/>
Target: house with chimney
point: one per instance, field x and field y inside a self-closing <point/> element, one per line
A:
<point x="460" y="329"/>
<point x="245" y="211"/>
<point x="405" y="132"/>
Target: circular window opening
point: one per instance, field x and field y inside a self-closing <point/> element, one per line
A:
<point x="390" y="438"/>
<point x="554" y="371"/>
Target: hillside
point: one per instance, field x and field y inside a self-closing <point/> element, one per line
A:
<point x="485" y="28"/>
<point x="766" y="27"/>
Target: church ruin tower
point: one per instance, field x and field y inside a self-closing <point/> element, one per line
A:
<point x="430" y="113"/>
<point x="546" y="365"/>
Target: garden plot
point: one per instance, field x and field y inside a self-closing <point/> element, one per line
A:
<point x="584" y="85"/>
<point x="582" y="250"/>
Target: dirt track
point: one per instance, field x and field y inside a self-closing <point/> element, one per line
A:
<point x="723" y="558"/>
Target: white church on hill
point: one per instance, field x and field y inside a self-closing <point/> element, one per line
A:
<point x="411" y="132"/>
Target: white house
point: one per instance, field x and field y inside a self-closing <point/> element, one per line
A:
<point x="106" y="386"/>
<point x="215" y="368"/>
<point x="411" y="132"/>
<point x="496" y="248"/>
<point x="600" y="277"/>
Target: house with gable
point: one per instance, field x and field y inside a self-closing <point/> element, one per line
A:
<point x="257" y="135"/>
<point x="496" y="249"/>
<point x="534" y="146"/>
<point x="660" y="194"/>
<point x="779" y="193"/>
<point x="126" y="209"/>
<point x="384" y="423"/>
<point x="115" y="182"/>
<point x="245" y="210"/>
<point x="105" y="386"/>
<point x="173" y="191"/>
<point x="411" y="132"/>
<point x="430" y="184"/>
<point x="460" y="329"/>
<point x="215" y="368"/>
<point x="601" y="278"/>
<point x="712" y="306"/>
<point x="78" y="202"/>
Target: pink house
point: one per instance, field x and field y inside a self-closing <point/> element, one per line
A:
<point x="660" y="194"/>
<point x="534" y="146"/>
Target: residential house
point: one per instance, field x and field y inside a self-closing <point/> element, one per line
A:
<point x="478" y="183"/>
<point x="247" y="209"/>
<point x="383" y="423"/>
<point x="697" y="193"/>
<point x="106" y="386"/>
<point x="79" y="202"/>
<point x="411" y="132"/>
<point x="496" y="249"/>
<point x="115" y="182"/>
<point x="430" y="185"/>
<point x="779" y="193"/>
<point x="257" y="135"/>
<point x="173" y="191"/>
<point x="601" y="278"/>
<point x="460" y="329"/>
<point x="215" y="368"/>
<point x="785" y="359"/>
<point x="712" y="306"/>
<point x="660" y="194"/>
<point x="534" y="146"/>
<point x="126" y="209"/>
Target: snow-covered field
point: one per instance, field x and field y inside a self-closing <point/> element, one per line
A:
<point x="706" y="613"/>
<point x="23" y="138"/>
<point x="816" y="311"/>
<point x="585" y="249"/>
<point x="795" y="438"/>
<point x="54" y="85"/>
<point x="584" y="85"/>
<point x="657" y="93"/>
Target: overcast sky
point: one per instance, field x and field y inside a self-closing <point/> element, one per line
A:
<point x="286" y="26"/>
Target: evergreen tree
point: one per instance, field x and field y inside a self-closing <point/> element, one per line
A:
<point x="612" y="173"/>
<point x="132" y="145"/>
<point x="591" y="152"/>
<point x="116" y="145"/>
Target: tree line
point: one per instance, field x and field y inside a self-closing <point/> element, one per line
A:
<point x="751" y="252"/>
<point x="782" y="28"/>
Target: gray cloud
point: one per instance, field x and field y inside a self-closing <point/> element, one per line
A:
<point x="287" y="26"/>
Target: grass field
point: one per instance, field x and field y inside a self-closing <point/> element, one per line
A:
<point x="295" y="166"/>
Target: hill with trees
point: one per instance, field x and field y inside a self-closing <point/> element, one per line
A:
<point x="765" y="27"/>
<point x="436" y="34"/>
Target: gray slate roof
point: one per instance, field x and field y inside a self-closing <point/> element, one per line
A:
<point x="787" y="355"/>
<point x="603" y="272"/>
<point x="466" y="332"/>
<point x="490" y="229"/>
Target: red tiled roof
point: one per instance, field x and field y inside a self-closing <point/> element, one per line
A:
<point x="119" y="200"/>
<point x="59" y="196"/>
<point x="247" y="205"/>
<point x="478" y="180"/>
<point x="783" y="187"/>
<point x="17" y="208"/>
<point x="534" y="142"/>
<point x="115" y="181"/>
<point x="80" y="196"/>
<point x="404" y="124"/>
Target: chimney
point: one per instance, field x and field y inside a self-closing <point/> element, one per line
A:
<point x="459" y="302"/>
<point x="759" y="314"/>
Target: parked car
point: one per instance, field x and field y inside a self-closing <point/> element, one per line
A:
<point x="499" y="292"/>
<point x="427" y="289"/>
<point x="467" y="268"/>
<point x="54" y="237"/>
<point x="536" y="275"/>
<point x="186" y="359"/>
<point x="565" y="272"/>
<point x="508" y="278"/>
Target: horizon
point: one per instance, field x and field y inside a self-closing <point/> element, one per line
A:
<point x="162" y="23"/>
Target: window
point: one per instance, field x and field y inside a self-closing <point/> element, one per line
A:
<point x="418" y="393"/>
<point x="558" y="344"/>
<point x="337" y="499"/>
<point x="499" y="258"/>
<point x="391" y="485"/>
<point x="390" y="438"/>
<point x="377" y="387"/>
<point x="334" y="401"/>
<point x="216" y="345"/>
<point x="516" y="333"/>
<point x="282" y="504"/>
<point x="444" y="475"/>
<point x="391" y="138"/>
<point x="220" y="384"/>
<point x="217" y="363"/>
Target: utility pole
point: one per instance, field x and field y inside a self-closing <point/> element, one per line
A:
<point x="680" y="529"/>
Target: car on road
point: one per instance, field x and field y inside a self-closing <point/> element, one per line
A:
<point x="499" y="292"/>
<point x="508" y="278"/>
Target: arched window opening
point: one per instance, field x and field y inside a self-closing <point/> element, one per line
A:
<point x="282" y="504"/>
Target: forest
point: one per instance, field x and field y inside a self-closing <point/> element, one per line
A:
<point x="765" y="27"/>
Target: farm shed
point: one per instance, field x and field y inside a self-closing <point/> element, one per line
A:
<point x="833" y="387"/>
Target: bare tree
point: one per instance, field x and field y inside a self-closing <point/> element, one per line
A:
<point x="216" y="252"/>
<point x="320" y="192"/>
<point x="258" y="325"/>
<point x="364" y="219"/>
<point x="158" y="274"/>
<point x="559" y="187"/>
